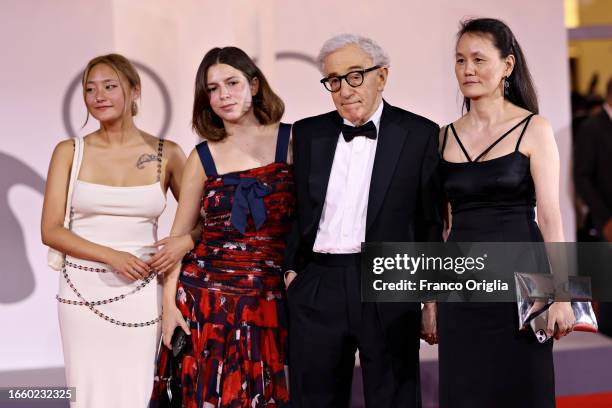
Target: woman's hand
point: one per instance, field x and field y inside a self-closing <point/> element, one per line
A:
<point x="128" y="265"/>
<point x="561" y="319"/>
<point x="171" y="319"/>
<point x="172" y="251"/>
<point x="429" y="328"/>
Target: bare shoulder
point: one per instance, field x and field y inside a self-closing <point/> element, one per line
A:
<point x="170" y="147"/>
<point x="65" y="145"/>
<point x="173" y="149"/>
<point x="538" y="136"/>
<point x="64" y="150"/>
<point x="194" y="164"/>
<point x="152" y="141"/>
<point x="193" y="155"/>
<point x="61" y="160"/>
<point x="539" y="122"/>
<point x="540" y="128"/>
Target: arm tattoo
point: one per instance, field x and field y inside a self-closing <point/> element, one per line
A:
<point x="145" y="158"/>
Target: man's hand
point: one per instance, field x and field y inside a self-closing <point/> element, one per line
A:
<point x="429" y="328"/>
<point x="289" y="277"/>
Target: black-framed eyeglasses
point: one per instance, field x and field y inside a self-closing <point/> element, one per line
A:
<point x="353" y="78"/>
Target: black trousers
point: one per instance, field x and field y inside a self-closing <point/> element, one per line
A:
<point x="328" y="323"/>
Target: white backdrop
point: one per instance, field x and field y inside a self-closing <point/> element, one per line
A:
<point x="46" y="43"/>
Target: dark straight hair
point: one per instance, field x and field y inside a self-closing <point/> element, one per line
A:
<point x="267" y="106"/>
<point x="521" y="91"/>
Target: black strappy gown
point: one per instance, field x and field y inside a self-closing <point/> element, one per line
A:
<point x="485" y="361"/>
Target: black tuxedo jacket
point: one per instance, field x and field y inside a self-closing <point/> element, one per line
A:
<point x="404" y="202"/>
<point x="593" y="166"/>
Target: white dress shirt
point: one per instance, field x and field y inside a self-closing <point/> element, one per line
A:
<point x="342" y="226"/>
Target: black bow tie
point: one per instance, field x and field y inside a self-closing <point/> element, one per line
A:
<point x="368" y="130"/>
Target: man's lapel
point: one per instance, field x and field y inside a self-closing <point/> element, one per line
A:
<point x="322" y="150"/>
<point x="391" y="139"/>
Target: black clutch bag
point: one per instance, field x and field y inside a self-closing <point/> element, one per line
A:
<point x="173" y="397"/>
<point x="179" y="341"/>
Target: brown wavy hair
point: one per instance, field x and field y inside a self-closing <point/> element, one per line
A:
<point x="121" y="66"/>
<point x="268" y="107"/>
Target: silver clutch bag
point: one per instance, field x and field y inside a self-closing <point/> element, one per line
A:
<point x="535" y="294"/>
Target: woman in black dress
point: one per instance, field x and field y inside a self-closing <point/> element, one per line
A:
<point x="495" y="161"/>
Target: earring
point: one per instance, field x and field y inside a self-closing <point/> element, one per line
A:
<point x="506" y="87"/>
<point x="134" y="109"/>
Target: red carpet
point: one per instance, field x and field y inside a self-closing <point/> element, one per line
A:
<point x="586" y="401"/>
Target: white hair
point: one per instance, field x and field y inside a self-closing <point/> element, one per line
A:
<point x="376" y="52"/>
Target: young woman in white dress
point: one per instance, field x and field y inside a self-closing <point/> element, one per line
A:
<point x="109" y="299"/>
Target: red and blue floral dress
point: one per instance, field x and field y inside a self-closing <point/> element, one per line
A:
<point x="231" y="292"/>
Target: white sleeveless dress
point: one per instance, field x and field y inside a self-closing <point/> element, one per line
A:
<point x="110" y="348"/>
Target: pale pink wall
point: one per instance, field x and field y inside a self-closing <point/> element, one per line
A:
<point x="45" y="44"/>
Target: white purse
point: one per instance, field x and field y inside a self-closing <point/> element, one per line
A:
<point x="55" y="259"/>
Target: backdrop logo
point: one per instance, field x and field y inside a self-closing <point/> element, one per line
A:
<point x="76" y="83"/>
<point x="292" y="55"/>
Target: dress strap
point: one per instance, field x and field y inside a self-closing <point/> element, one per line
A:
<point x="499" y="139"/>
<point x="459" y="142"/>
<point x="160" y="153"/>
<point x="444" y="142"/>
<point x="282" y="143"/>
<point x="206" y="158"/>
<point x="523" y="131"/>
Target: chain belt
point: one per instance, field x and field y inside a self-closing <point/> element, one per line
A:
<point x="92" y="304"/>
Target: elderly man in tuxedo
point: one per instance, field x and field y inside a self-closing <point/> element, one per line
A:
<point x="365" y="172"/>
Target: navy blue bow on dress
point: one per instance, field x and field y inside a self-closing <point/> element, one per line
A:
<point x="248" y="198"/>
